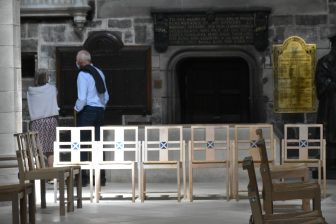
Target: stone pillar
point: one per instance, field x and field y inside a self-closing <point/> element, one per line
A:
<point x="10" y="75"/>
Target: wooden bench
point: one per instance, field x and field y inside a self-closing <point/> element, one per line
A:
<point x="31" y="169"/>
<point x="17" y="194"/>
<point x="257" y="217"/>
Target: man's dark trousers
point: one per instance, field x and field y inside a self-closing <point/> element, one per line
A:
<point x="91" y="116"/>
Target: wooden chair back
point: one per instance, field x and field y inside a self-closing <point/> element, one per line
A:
<point x="119" y="143"/>
<point x="163" y="148"/>
<point x="210" y="143"/>
<point x="304" y="143"/>
<point x="265" y="170"/>
<point x="118" y="149"/>
<point x="71" y="142"/>
<point x="253" y="192"/>
<point x="24" y="152"/>
<point x="163" y="144"/>
<point x="30" y="152"/>
<point x="209" y="147"/>
<point x="36" y="150"/>
<point x="245" y="144"/>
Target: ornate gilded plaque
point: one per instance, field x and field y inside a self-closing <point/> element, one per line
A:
<point x="294" y="71"/>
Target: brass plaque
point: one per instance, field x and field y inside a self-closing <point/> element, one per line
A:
<point x="294" y="71"/>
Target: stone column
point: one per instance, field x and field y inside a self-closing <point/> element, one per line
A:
<point x="10" y="75"/>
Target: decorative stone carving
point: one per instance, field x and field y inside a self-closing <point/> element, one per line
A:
<point x="57" y="8"/>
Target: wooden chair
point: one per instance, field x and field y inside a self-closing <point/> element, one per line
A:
<point x="31" y="169"/>
<point x="163" y="148"/>
<point x="17" y="194"/>
<point x="209" y="148"/>
<point x="118" y="149"/>
<point x="245" y="145"/>
<point x="283" y="191"/>
<point x="313" y="217"/>
<point x="37" y="154"/>
<point x="70" y="143"/>
<point x="304" y="143"/>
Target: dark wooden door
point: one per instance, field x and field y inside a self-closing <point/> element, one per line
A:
<point x="214" y="90"/>
<point x="127" y="71"/>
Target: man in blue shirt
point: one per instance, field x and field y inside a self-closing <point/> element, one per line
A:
<point x="92" y="98"/>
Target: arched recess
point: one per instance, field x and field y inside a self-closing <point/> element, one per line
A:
<point x="255" y="85"/>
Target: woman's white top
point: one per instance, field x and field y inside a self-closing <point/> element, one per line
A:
<point x="42" y="101"/>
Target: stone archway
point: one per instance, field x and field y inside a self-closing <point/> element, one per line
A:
<point x="175" y="97"/>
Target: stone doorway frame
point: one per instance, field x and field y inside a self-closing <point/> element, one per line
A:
<point x="173" y="110"/>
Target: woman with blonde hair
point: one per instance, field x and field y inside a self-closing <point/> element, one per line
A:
<point x="43" y="111"/>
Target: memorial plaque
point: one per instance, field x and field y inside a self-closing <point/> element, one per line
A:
<point x="211" y="28"/>
<point x="294" y="70"/>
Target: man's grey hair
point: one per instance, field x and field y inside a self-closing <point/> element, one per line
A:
<point x="84" y="55"/>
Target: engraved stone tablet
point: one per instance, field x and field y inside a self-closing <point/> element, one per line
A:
<point x="244" y="27"/>
<point x="294" y="70"/>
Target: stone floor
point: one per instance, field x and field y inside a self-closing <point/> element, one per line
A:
<point x="206" y="209"/>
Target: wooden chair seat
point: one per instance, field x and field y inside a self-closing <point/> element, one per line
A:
<point x="211" y="162"/>
<point x="161" y="162"/>
<point x="257" y="217"/>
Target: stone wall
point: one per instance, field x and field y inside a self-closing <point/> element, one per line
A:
<point x="313" y="20"/>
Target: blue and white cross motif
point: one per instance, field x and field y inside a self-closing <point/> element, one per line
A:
<point x="75" y="146"/>
<point x="163" y="145"/>
<point x="253" y="144"/>
<point x="119" y="145"/>
<point x="303" y="143"/>
<point x="210" y="144"/>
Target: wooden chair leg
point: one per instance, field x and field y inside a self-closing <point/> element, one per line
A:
<point x="268" y="205"/>
<point x="79" y="189"/>
<point x="227" y="179"/>
<point x="61" y="194"/>
<point x="23" y="207"/>
<point x="91" y="184"/>
<point x="55" y="190"/>
<point x="70" y="192"/>
<point x="143" y="185"/>
<point x="133" y="182"/>
<point x="15" y="209"/>
<point x="178" y="182"/>
<point x="184" y="181"/>
<point x="317" y="202"/>
<point x="97" y="183"/>
<point x="190" y="183"/>
<point x="43" y="193"/>
<point x="32" y="205"/>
